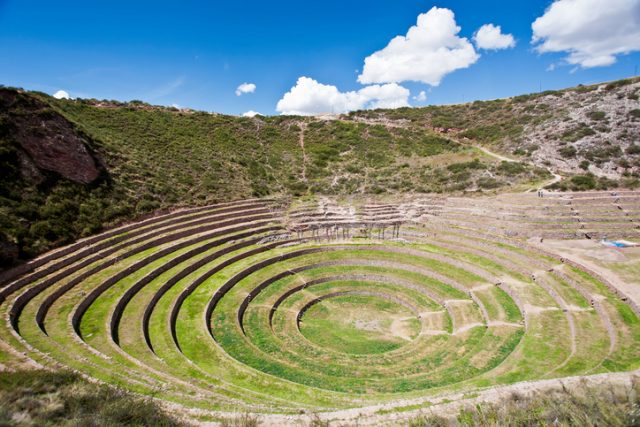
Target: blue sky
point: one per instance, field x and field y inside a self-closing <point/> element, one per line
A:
<point x="196" y="53"/>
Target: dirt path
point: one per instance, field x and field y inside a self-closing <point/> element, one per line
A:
<point x="556" y="177"/>
<point x="303" y="128"/>
<point x="494" y="155"/>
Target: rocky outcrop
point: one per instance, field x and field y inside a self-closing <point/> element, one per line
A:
<point x="47" y="141"/>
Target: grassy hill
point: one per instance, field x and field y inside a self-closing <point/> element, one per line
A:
<point x="72" y="167"/>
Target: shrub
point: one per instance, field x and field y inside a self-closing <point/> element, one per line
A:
<point x="463" y="166"/>
<point x="583" y="182"/>
<point x="633" y="149"/>
<point x="603" y="153"/>
<point x="624" y="163"/>
<point x="596" y="115"/>
<point x="568" y="152"/>
<point x="631" y="183"/>
<point x="577" y="133"/>
<point x="488" y="182"/>
<point x="617" y="84"/>
<point x="511" y="168"/>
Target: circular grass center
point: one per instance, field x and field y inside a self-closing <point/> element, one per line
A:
<point x="359" y="324"/>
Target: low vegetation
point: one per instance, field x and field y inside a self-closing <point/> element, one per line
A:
<point x="588" y="407"/>
<point x="587" y="182"/>
<point x="45" y="398"/>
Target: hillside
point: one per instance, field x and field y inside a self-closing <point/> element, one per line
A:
<point x="583" y="129"/>
<point x="73" y="167"/>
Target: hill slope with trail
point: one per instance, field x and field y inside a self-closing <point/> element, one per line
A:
<point x="73" y="167"/>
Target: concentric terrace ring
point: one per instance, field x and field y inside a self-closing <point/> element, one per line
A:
<point x="221" y="308"/>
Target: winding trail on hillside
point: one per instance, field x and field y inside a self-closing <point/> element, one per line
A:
<point x="556" y="177"/>
<point x="303" y="128"/>
<point x="494" y="155"/>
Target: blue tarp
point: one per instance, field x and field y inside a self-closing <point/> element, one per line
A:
<point x="617" y="244"/>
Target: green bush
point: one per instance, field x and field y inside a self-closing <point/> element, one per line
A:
<point x="618" y="83"/>
<point x="577" y="133"/>
<point x="597" y="115"/>
<point x="602" y="153"/>
<point x="488" y="182"/>
<point x="568" y="151"/>
<point x="464" y="166"/>
<point x="633" y="149"/>
<point x="511" y="168"/>
<point x="583" y="182"/>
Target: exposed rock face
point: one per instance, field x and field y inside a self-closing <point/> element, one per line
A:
<point x="49" y="140"/>
<point x="597" y="122"/>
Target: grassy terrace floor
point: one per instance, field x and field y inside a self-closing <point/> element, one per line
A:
<point x="224" y="310"/>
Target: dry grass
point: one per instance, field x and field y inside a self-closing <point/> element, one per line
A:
<point x="602" y="406"/>
<point x="243" y="420"/>
<point x="44" y="398"/>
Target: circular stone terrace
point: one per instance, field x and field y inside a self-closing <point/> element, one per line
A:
<point x="328" y="306"/>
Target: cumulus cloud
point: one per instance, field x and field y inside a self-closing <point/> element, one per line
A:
<point x="61" y="94"/>
<point x="308" y="97"/>
<point x="250" y="113"/>
<point x="490" y="37"/>
<point x="430" y="50"/>
<point x="421" y="97"/>
<point x="591" y="32"/>
<point x="245" y="88"/>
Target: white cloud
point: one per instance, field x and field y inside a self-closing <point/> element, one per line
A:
<point x="591" y="32"/>
<point x="490" y="36"/>
<point x="61" y="94"/>
<point x="245" y="88"/>
<point x="308" y="97"/>
<point x="250" y="113"/>
<point x="430" y="50"/>
<point x="421" y="97"/>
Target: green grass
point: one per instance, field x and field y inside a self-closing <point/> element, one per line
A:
<point x="334" y="324"/>
<point x="332" y="361"/>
